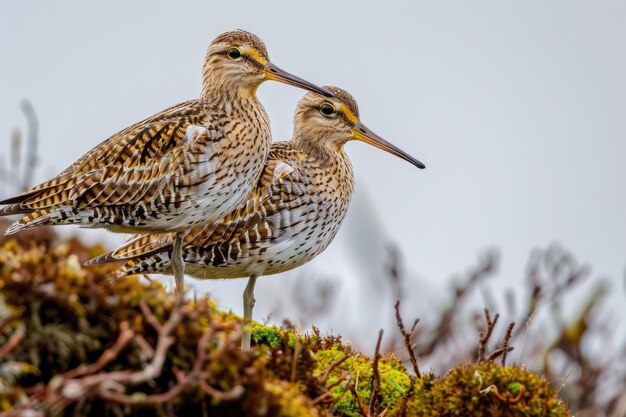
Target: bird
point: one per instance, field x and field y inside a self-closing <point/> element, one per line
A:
<point x="291" y="216"/>
<point x="187" y="165"/>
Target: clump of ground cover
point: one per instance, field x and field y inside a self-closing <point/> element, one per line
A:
<point x="73" y="342"/>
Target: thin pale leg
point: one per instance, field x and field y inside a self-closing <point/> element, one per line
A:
<point x="178" y="264"/>
<point x="248" y="305"/>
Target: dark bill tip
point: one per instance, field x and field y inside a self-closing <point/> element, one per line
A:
<point x="275" y="73"/>
<point x="362" y="133"/>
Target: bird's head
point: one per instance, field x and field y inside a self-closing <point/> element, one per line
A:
<point x="239" y="60"/>
<point x="333" y="121"/>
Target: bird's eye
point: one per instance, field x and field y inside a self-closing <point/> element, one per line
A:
<point x="234" y="53"/>
<point x="327" y="109"/>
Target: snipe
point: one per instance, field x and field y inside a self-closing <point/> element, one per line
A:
<point x="187" y="165"/>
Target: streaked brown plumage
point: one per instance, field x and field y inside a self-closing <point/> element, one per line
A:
<point x="192" y="163"/>
<point x="292" y="215"/>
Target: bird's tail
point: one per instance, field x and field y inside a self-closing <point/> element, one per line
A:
<point x="40" y="218"/>
<point x="43" y="196"/>
<point x="137" y="247"/>
<point x="36" y="218"/>
<point x="159" y="262"/>
<point x="15" y="208"/>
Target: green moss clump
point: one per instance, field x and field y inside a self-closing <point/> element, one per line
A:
<point x="268" y="335"/>
<point x="395" y="382"/>
<point x="486" y="389"/>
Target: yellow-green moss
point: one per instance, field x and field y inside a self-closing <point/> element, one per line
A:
<point x="288" y="401"/>
<point x="269" y="335"/>
<point x="72" y="314"/>
<point x="394" y="379"/>
<point x="484" y="390"/>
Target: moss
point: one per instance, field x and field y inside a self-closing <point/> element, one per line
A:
<point x="486" y="389"/>
<point x="288" y="401"/>
<point x="69" y="315"/>
<point x="269" y="335"/>
<point x="395" y="382"/>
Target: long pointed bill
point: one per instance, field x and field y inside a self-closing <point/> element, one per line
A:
<point x="362" y="133"/>
<point x="274" y="73"/>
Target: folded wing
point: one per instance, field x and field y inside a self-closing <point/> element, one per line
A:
<point x="260" y="221"/>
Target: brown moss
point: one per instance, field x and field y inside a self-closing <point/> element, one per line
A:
<point x="67" y="316"/>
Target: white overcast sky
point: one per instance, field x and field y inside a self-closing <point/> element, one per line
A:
<point x="518" y="110"/>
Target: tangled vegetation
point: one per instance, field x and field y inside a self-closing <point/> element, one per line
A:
<point x="72" y="342"/>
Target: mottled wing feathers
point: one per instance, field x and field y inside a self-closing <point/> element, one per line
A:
<point x="125" y="168"/>
<point x="55" y="193"/>
<point x="278" y="191"/>
<point x="19" y="198"/>
<point x="44" y="195"/>
<point x="204" y="235"/>
<point x="120" y="185"/>
<point x="33" y="192"/>
<point x="148" y="139"/>
<point x="13" y="208"/>
<point x="250" y="215"/>
<point x="155" y="181"/>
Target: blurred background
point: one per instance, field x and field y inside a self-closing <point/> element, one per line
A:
<point x="518" y="111"/>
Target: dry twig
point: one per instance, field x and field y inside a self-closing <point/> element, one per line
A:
<point x="126" y="335"/>
<point x="494" y="355"/>
<point x="505" y="343"/>
<point x="13" y="341"/>
<point x="362" y="408"/>
<point x="407" y="338"/>
<point x="485" y="336"/>
<point x="376" y="377"/>
<point x="329" y="391"/>
<point x="332" y="367"/>
<point x="89" y="381"/>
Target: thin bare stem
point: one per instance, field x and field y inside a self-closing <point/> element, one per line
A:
<point x="505" y="343"/>
<point x="333" y="366"/>
<point x="13" y="341"/>
<point x="407" y="338"/>
<point x="494" y="355"/>
<point x="376" y="377"/>
<point x="485" y="336"/>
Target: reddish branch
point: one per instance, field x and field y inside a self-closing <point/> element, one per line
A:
<point x="500" y="351"/>
<point x="408" y="336"/>
<point x="355" y="393"/>
<point x="345" y="388"/>
<point x="88" y="381"/>
<point x="485" y="336"/>
<point x="5" y="321"/>
<point x="375" y="389"/>
<point x="376" y="377"/>
<point x="197" y="375"/>
<point x="328" y="392"/>
<point x="126" y="335"/>
<point x="505" y="343"/>
<point x="13" y="341"/>
<point x="332" y="367"/>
